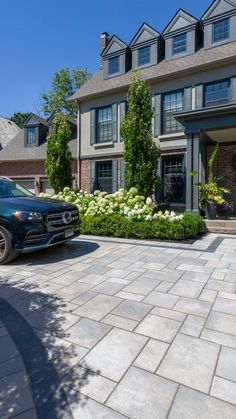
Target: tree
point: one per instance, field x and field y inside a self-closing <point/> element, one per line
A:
<point x="19" y="118"/>
<point x="140" y="150"/>
<point x="59" y="157"/>
<point x="64" y="83"/>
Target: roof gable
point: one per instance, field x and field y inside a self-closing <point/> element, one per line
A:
<point x="144" y="34"/>
<point x="180" y="21"/>
<point x="115" y="45"/>
<point x="34" y="119"/>
<point x="219" y="7"/>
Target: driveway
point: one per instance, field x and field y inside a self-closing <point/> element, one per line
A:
<point x="111" y="328"/>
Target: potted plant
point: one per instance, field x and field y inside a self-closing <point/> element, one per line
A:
<point x="211" y="194"/>
<point x="211" y="197"/>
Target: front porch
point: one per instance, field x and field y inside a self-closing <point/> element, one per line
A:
<point x="203" y="128"/>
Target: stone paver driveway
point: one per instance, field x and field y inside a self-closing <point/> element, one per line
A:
<point x="106" y="328"/>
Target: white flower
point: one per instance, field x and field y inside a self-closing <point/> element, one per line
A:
<point x="149" y="201"/>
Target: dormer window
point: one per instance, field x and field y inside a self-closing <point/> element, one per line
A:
<point x="30" y="136"/>
<point x="114" y="65"/>
<point x="180" y="43"/>
<point x="144" y="56"/>
<point x="221" y="30"/>
<point x="182" y="36"/>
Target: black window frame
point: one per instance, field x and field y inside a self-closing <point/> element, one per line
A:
<point x="27" y="143"/>
<point x="175" y="126"/>
<point x="106" y="123"/>
<point x="218" y="22"/>
<point x="178" y="173"/>
<point x="110" y="61"/>
<point x="217" y="101"/>
<point x="180" y="51"/>
<point x="140" y="50"/>
<point x="107" y="175"/>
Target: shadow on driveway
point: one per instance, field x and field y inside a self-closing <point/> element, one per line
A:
<point x="32" y="324"/>
<point x="56" y="254"/>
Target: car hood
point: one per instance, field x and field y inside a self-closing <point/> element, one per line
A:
<point x="42" y="205"/>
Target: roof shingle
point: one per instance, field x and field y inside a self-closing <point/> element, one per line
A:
<point x="174" y="68"/>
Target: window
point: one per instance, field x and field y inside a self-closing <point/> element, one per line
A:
<point x="174" y="179"/>
<point x="144" y="56"/>
<point x="221" y="30"/>
<point x="104" y="176"/>
<point x="114" y="65"/>
<point x="30" y="136"/>
<point x="104" y="124"/>
<point x="179" y="44"/>
<point x="173" y="102"/>
<point x="217" y="93"/>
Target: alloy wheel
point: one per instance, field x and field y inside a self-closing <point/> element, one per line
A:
<point x="2" y="245"/>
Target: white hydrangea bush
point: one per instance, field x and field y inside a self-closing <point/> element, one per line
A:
<point x="127" y="203"/>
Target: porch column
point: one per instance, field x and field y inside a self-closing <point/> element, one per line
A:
<point x="189" y="169"/>
<point x="196" y="168"/>
<point x="192" y="165"/>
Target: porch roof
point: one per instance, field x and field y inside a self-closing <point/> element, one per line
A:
<point x="217" y="117"/>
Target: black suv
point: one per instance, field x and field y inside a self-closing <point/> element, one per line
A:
<point x="28" y="223"/>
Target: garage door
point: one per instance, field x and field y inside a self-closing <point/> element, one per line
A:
<point x="28" y="184"/>
<point x="46" y="188"/>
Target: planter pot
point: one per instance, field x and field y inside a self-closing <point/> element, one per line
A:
<point x="210" y="211"/>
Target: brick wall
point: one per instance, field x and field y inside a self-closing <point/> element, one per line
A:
<point x="85" y="175"/>
<point x="22" y="169"/>
<point x="224" y="167"/>
<point x="28" y="169"/>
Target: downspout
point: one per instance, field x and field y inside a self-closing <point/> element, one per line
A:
<point x="78" y="146"/>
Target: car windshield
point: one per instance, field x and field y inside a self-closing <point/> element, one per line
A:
<point x="9" y="189"/>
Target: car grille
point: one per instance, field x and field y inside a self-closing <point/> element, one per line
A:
<point x="34" y="238"/>
<point x="63" y="218"/>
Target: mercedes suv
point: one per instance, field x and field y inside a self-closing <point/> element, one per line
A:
<point x="28" y="223"/>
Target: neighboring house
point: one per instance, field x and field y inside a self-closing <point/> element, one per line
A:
<point x="191" y="71"/>
<point x="8" y="130"/>
<point x="23" y="158"/>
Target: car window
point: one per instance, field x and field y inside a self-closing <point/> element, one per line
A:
<point x="9" y="189"/>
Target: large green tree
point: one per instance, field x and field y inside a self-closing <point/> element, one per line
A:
<point x="64" y="83"/>
<point x="140" y="150"/>
<point x="59" y="157"/>
<point x="19" y="118"/>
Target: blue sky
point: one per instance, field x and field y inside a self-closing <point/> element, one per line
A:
<point x="39" y="37"/>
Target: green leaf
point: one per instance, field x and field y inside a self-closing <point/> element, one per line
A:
<point x="212" y="160"/>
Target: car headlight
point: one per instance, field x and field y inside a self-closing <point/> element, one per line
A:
<point x="28" y="216"/>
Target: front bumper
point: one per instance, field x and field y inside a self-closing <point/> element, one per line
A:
<point x="42" y="240"/>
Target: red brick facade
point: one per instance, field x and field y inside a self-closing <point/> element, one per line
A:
<point x="34" y="170"/>
<point x="226" y="166"/>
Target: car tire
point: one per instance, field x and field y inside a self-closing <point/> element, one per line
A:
<point x="7" y="251"/>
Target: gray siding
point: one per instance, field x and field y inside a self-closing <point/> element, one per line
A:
<point x="166" y="142"/>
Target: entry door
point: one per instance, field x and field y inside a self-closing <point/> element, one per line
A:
<point x="174" y="179"/>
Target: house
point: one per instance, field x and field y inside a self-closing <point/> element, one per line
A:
<point x="8" y="130"/>
<point x="191" y="71"/>
<point x="23" y="158"/>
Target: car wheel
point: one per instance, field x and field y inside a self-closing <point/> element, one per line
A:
<point x="7" y="251"/>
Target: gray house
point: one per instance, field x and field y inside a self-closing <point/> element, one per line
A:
<point x="191" y="71"/>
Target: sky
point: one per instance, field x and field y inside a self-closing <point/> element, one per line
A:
<point x="40" y="37"/>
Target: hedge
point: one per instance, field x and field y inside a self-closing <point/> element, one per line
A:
<point x="120" y="226"/>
